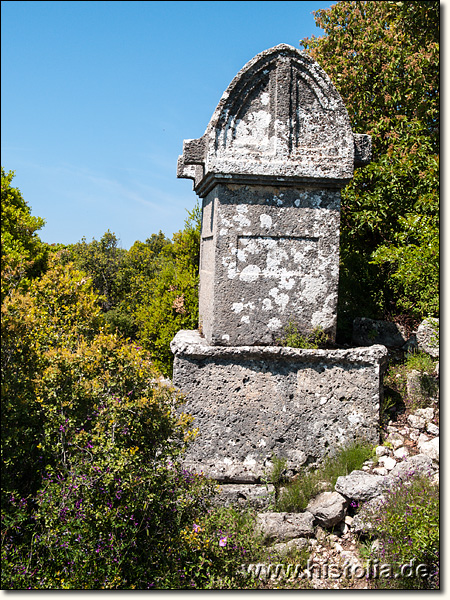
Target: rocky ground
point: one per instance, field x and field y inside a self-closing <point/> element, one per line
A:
<point x="333" y="536"/>
<point x="330" y="530"/>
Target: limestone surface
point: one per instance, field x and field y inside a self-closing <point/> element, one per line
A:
<point x="282" y="526"/>
<point x="250" y="402"/>
<point x="361" y="486"/>
<point x="418" y="464"/>
<point x="280" y="117"/>
<point x="428" y="337"/>
<point x="269" y="256"/>
<point x="328" y="508"/>
<point x="269" y="168"/>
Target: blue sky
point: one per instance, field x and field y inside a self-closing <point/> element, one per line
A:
<point x="97" y="98"/>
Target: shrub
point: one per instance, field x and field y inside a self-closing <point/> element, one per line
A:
<point x="217" y="546"/>
<point x="93" y="495"/>
<point x="408" y="526"/>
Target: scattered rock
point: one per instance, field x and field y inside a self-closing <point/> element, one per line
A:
<point x="388" y="462"/>
<point x="360" y="525"/>
<point x="422" y="439"/>
<point x="328" y="508"/>
<point x="416" y="421"/>
<point x="401" y="453"/>
<point x="381" y="451"/>
<point x="285" y="526"/>
<point x="432" y="429"/>
<point x="428" y="337"/>
<point x="253" y="495"/>
<point x="395" y="439"/>
<point x="425" y="413"/>
<point x="294" y="544"/>
<point x="360" y="485"/>
<point x="380" y="470"/>
<point x="420" y="463"/>
<point x="430" y="448"/>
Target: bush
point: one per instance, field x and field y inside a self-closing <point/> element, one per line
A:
<point x="218" y="544"/>
<point x="408" y="525"/>
<point x="93" y="495"/>
<point x="170" y="300"/>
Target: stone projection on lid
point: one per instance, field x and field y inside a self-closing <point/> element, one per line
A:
<point x="269" y="168"/>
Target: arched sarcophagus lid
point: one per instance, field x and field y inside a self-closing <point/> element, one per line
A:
<point x="280" y="120"/>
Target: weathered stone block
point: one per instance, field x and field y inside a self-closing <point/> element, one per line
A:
<point x="362" y="486"/>
<point x="428" y="337"/>
<point x="270" y="166"/>
<point x="252" y="402"/>
<point x="328" y="508"/>
<point x="254" y="496"/>
<point x="285" y="526"/>
<point x="269" y="256"/>
<point x="280" y="117"/>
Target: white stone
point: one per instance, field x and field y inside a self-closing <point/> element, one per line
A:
<point x="395" y="439"/>
<point x="425" y="413"/>
<point x="381" y="451"/>
<point x="422" y="439"/>
<point x="388" y="462"/>
<point x="431" y="448"/>
<point x="401" y="453"/>
<point x="416" y="421"/>
<point x="432" y="429"/>
<point x="380" y="470"/>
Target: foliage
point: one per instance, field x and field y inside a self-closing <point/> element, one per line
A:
<point x="59" y="311"/>
<point x="293" y="338"/>
<point x="383" y="57"/>
<point x="420" y="361"/>
<point x="299" y="492"/>
<point x="150" y="292"/>
<point x="218" y="544"/>
<point x="119" y="276"/>
<point x="92" y="492"/>
<point x="407" y="523"/>
<point x="170" y="301"/>
<point x="23" y="253"/>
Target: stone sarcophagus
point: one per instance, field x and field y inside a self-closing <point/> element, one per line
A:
<point x="269" y="169"/>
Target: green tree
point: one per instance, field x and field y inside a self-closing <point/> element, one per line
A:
<point x="383" y="57"/>
<point x="170" y="300"/>
<point x="23" y="253"/>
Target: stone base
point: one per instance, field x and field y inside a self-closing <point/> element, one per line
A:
<point x="250" y="403"/>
